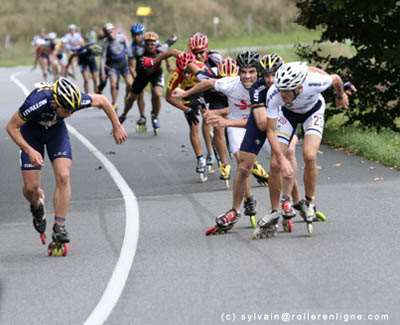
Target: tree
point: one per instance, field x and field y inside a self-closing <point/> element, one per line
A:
<point x="373" y="28"/>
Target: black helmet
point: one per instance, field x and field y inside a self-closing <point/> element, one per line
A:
<point x="248" y="59"/>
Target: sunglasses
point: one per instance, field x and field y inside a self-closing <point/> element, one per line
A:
<point x="199" y="53"/>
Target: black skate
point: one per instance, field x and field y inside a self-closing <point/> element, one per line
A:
<point x="39" y="220"/>
<point x="156" y="124"/>
<point x="122" y="119"/>
<point x="141" y="125"/>
<point x="300" y="207"/>
<point x="59" y="245"/>
<point x="250" y="211"/>
<point x="224" y="223"/>
<point x="267" y="226"/>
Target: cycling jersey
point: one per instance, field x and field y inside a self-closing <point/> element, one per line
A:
<point x="255" y="139"/>
<point x="116" y="50"/>
<point x="185" y="79"/>
<point x="314" y="84"/>
<point x="87" y="58"/>
<point x="238" y="97"/>
<point x="137" y="50"/>
<point x="215" y="99"/>
<point x="307" y="109"/>
<point x="44" y="127"/>
<point x="37" y="108"/>
<point x="73" y="41"/>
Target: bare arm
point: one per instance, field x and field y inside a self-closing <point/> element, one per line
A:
<point x="175" y="101"/>
<point x="341" y="97"/>
<point x="317" y="70"/>
<point x="102" y="102"/>
<point x="165" y="55"/>
<point x="14" y="130"/>
<point x="260" y="115"/>
<point x="202" y="86"/>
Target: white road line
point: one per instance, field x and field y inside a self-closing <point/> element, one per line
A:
<point x="120" y="274"/>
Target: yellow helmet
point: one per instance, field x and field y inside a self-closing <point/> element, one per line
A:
<point x="151" y="36"/>
<point x="67" y="94"/>
<point x="270" y="63"/>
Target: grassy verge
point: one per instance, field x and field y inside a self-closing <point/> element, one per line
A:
<point x="383" y="146"/>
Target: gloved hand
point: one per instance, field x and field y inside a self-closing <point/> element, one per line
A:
<point x="147" y="62"/>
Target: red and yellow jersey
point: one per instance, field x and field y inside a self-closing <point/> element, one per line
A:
<point x="185" y="79"/>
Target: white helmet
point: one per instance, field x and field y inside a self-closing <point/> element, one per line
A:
<point x="291" y="75"/>
<point x="52" y="35"/>
<point x="72" y="27"/>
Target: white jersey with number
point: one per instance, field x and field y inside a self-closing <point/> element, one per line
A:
<point x="238" y="97"/>
<point x="314" y="84"/>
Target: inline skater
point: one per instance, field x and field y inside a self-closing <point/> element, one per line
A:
<point x="191" y="106"/>
<point x="42" y="52"/>
<point x="138" y="49"/>
<point x="86" y="55"/>
<point x="144" y="75"/>
<point x="237" y="91"/>
<point x="198" y="45"/>
<point x="114" y="62"/>
<point x="39" y="122"/>
<point x="295" y="98"/>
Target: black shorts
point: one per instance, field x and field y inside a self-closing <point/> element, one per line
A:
<point x="141" y="81"/>
<point x="254" y="138"/>
<point x="88" y="65"/>
<point x="196" y="103"/>
<point x="55" y="139"/>
<point x="215" y="100"/>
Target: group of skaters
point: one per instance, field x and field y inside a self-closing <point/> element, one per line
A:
<point x="244" y="105"/>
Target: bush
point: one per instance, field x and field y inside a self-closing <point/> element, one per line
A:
<point x="372" y="27"/>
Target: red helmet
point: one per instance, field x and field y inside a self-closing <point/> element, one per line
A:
<point x="228" y="68"/>
<point x="198" y="42"/>
<point x="183" y="59"/>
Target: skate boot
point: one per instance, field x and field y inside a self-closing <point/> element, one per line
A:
<point x="210" y="163"/>
<point x="267" y="226"/>
<point x="39" y="220"/>
<point x="141" y="125"/>
<point x="250" y="210"/>
<point x="155" y="123"/>
<point x="260" y="174"/>
<point x="287" y="214"/>
<point x="224" y="223"/>
<point x="319" y="215"/>
<point x="59" y="245"/>
<point x="122" y="118"/>
<point x="201" y="169"/>
<point x="308" y="210"/>
<point x="225" y="173"/>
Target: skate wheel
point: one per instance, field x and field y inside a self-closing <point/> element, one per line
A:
<point x="320" y="216"/>
<point x="227" y="184"/>
<point x="211" y="231"/>
<point x="65" y="249"/>
<point x="43" y="238"/>
<point x="203" y="177"/>
<point x="310" y="228"/>
<point x="253" y="222"/>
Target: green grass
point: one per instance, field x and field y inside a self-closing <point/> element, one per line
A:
<point x="18" y="54"/>
<point x="383" y="146"/>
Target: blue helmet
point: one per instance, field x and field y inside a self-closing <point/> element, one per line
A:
<point x="137" y="29"/>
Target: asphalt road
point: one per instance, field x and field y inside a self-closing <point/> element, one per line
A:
<point x="179" y="276"/>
